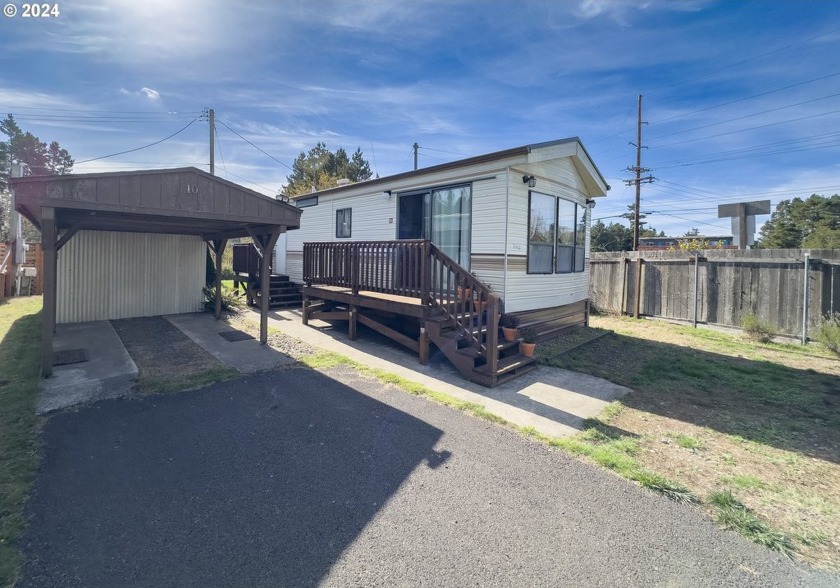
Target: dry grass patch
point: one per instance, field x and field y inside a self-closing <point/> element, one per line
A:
<point x="759" y="423"/>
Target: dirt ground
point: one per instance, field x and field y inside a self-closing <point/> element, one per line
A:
<point x="161" y="350"/>
<point x="715" y="412"/>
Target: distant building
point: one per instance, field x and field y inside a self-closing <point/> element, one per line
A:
<point x="665" y="243"/>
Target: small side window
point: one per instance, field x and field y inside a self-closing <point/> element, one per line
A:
<point x="306" y="202"/>
<point x="343" y="223"/>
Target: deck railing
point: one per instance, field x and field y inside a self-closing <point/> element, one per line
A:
<point x="247" y="259"/>
<point x="415" y="268"/>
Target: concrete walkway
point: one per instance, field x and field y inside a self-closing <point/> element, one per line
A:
<point x="109" y="371"/>
<point x="553" y="401"/>
<point x="246" y="356"/>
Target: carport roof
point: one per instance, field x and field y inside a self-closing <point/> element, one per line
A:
<point x="183" y="201"/>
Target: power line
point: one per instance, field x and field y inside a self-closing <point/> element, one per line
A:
<point x="254" y="146"/>
<point x="743" y="150"/>
<point x="269" y="190"/>
<point x="752" y="114"/>
<point x="442" y="151"/>
<point x="690" y="220"/>
<point x="140" y="112"/>
<point x="144" y="146"/>
<point x="219" y="145"/>
<point x="742" y="62"/>
<point x="751" y="128"/>
<point x="825" y="77"/>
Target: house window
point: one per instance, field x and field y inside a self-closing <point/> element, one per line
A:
<point x="556" y="235"/>
<point x="541" y="233"/>
<point x="565" y="236"/>
<point x="306" y="202"/>
<point x="580" y="239"/>
<point x="343" y="223"/>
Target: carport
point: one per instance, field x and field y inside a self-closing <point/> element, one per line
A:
<point x="183" y="201"/>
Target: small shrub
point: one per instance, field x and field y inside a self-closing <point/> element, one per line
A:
<point x="509" y="321"/>
<point x="829" y="333"/>
<point x="529" y="335"/>
<point x="230" y="298"/>
<point x="756" y="329"/>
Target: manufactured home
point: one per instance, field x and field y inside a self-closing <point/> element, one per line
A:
<point x="398" y="253"/>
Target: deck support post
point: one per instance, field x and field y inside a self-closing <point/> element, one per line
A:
<point x="305" y="310"/>
<point x="48" y="242"/>
<point x="492" y="338"/>
<point x="218" y="247"/>
<point x="423" y="346"/>
<point x="352" y="326"/>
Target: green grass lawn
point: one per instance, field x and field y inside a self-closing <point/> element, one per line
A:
<point x="20" y="352"/>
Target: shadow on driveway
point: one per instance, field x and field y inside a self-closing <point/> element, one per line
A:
<point x="264" y="480"/>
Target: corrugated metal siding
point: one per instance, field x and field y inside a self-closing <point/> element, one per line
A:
<point x="105" y="275"/>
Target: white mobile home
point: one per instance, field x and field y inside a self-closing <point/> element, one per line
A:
<point x="516" y="219"/>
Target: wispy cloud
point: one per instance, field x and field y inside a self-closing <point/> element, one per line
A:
<point x="149" y="93"/>
<point x="622" y="11"/>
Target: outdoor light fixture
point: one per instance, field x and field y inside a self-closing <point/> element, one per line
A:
<point x="530" y="180"/>
<point x="590" y="203"/>
<point x="387" y="194"/>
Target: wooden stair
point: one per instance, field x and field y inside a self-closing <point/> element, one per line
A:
<point x="471" y="361"/>
<point x="281" y="292"/>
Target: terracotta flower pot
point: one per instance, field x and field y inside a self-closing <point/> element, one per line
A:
<point x="479" y="305"/>
<point x="464" y="293"/>
<point x="509" y="334"/>
<point x="527" y="349"/>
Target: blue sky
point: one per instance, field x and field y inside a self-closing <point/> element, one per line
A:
<point x="742" y="99"/>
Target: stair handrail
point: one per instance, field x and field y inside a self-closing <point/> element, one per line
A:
<point x="476" y="307"/>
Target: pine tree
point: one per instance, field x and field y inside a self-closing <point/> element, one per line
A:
<point x="40" y="159"/>
<point x="321" y="169"/>
<point x="797" y="223"/>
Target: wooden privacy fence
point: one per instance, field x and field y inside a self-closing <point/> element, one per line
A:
<point x="33" y="257"/>
<point x="769" y="283"/>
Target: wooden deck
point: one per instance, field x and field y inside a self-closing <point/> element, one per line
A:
<point x="412" y="293"/>
<point x="405" y="305"/>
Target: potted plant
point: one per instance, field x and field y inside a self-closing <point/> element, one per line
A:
<point x="529" y="342"/>
<point x="464" y="293"/>
<point x="509" y="324"/>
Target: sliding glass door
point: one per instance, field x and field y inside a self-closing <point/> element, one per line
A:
<point x="442" y="215"/>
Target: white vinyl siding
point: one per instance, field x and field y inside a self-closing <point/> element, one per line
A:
<point x="499" y="223"/>
<point x="488" y="216"/>
<point x="105" y="275"/>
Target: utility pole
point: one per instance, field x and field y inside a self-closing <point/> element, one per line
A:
<point x="212" y="115"/>
<point x="415" y="147"/>
<point x="638" y="170"/>
<point x="638" y="175"/>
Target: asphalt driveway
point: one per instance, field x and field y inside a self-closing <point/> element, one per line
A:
<point x="296" y="478"/>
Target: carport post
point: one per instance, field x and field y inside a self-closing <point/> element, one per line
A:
<point x="48" y="236"/>
<point x="266" y="244"/>
<point x="218" y="246"/>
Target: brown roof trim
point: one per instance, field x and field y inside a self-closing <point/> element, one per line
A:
<point x="523" y="150"/>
